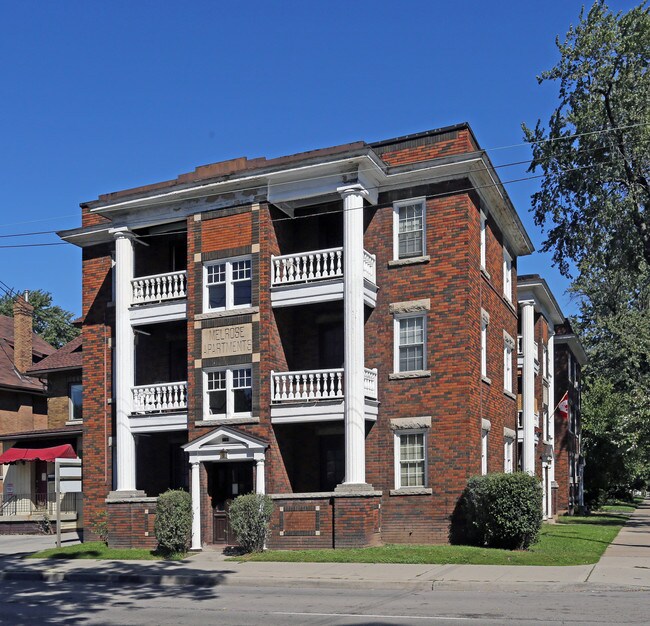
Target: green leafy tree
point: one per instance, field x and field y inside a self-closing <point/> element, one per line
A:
<point x="51" y="322"/>
<point x="594" y="200"/>
<point x="594" y="206"/>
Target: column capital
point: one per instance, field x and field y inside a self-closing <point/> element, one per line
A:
<point x="355" y="189"/>
<point x="527" y="303"/>
<point x="121" y="232"/>
<point x="195" y="463"/>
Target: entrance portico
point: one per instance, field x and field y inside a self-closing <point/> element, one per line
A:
<point x="222" y="445"/>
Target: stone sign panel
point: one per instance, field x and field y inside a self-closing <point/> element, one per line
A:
<point x="226" y="341"/>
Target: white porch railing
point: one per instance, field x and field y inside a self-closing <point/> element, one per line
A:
<point x="159" y="288"/>
<point x="316" y="385"/>
<point x="159" y="398"/>
<point x="370" y="383"/>
<point x="370" y="267"/>
<point x="306" y="267"/>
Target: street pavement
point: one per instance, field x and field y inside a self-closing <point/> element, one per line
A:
<point x="625" y="565"/>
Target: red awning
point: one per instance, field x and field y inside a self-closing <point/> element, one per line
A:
<point x="38" y="454"/>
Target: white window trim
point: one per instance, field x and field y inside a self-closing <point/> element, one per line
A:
<point x="229" y="284"/>
<point x="508" y="350"/>
<point x="398" y="467"/>
<point x="508" y="454"/>
<point x="229" y="414"/>
<point x="396" y="208"/>
<point x="483" y="241"/>
<point x="485" y="434"/>
<point x="507" y="275"/>
<point x="485" y="322"/>
<point x="396" y="344"/>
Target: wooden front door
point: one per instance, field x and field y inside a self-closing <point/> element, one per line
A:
<point x="226" y="481"/>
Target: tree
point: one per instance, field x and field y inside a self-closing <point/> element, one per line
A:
<point x="594" y="205"/>
<point x="51" y="322"/>
<point x="594" y="198"/>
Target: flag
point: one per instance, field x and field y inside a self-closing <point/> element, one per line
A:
<point x="563" y="406"/>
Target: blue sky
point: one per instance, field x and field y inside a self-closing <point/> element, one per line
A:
<point x="101" y="96"/>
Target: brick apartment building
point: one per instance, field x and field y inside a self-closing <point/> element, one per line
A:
<point x="570" y="357"/>
<point x="41" y="412"/>
<point x="335" y="328"/>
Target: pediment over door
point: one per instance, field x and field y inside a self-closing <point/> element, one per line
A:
<point x="226" y="444"/>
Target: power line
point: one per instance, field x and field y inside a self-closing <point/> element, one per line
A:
<point x="501" y="166"/>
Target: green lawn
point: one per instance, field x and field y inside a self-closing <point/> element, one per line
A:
<point x="621" y="506"/>
<point x="99" y="550"/>
<point x="571" y="541"/>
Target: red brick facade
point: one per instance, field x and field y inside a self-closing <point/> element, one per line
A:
<point x="452" y="394"/>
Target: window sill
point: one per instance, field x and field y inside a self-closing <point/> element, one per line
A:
<point x="510" y="395"/>
<point x="74" y="422"/>
<point x="510" y="304"/>
<point x="486" y="380"/>
<point x="413" y="374"/>
<point x="411" y="491"/>
<point x="222" y="421"/>
<point x="415" y="260"/>
<point x="249" y="310"/>
<point x="486" y="273"/>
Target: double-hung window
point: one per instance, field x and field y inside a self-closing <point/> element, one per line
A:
<point x="410" y="459"/>
<point x="508" y="448"/>
<point x="507" y="275"/>
<point x="409" y="228"/>
<point x="410" y="340"/>
<point x="508" y="349"/>
<point x="485" y="320"/>
<point x="228" y="392"/>
<point x="484" y="451"/>
<point x="483" y="241"/>
<point x="76" y="402"/>
<point x="228" y="284"/>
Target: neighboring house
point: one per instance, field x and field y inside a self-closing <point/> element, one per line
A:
<point x="334" y="328"/>
<point x="539" y="317"/>
<point x="43" y="424"/>
<point x="570" y="357"/>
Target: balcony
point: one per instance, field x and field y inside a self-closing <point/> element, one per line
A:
<point x="317" y="276"/>
<point x="316" y="395"/>
<point x="160" y="297"/>
<point x="159" y="407"/>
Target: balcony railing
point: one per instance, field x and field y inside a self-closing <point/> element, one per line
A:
<point x="160" y="398"/>
<point x="30" y="503"/>
<point x="310" y="385"/>
<point x="159" y="288"/>
<point x="306" y="267"/>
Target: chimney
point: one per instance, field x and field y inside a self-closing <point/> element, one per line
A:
<point x="23" y="329"/>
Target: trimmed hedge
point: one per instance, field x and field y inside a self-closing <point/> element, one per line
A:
<point x="250" y="516"/>
<point x="173" y="525"/>
<point x="498" y="511"/>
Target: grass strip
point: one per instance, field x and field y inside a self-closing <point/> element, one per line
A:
<point x="100" y="551"/>
<point x="572" y="541"/>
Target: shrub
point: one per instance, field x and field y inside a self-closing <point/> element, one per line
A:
<point x="173" y="525"/>
<point x="499" y="511"/>
<point x="250" y="516"/>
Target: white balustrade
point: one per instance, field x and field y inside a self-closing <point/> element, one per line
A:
<point x="306" y="385"/>
<point x="370" y="383"/>
<point x="305" y="267"/>
<point x="160" y="397"/>
<point x="309" y="385"/>
<point x="159" y="288"/>
<point x="370" y="267"/>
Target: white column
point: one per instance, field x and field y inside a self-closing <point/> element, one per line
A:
<point x="551" y="416"/>
<point x="528" y="383"/>
<point x="196" y="505"/>
<point x="355" y="425"/>
<point x="123" y="376"/>
<point x="259" y="476"/>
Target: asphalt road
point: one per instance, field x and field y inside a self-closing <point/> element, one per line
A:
<point x="27" y="602"/>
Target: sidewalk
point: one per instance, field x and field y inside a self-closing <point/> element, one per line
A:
<point x="626" y="563"/>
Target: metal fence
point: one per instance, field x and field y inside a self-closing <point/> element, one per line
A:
<point x="34" y="503"/>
